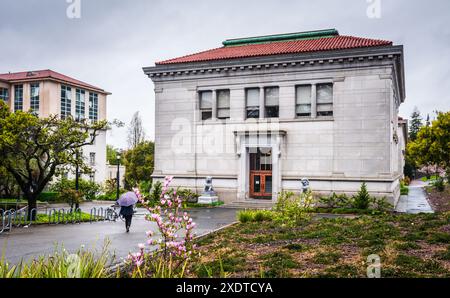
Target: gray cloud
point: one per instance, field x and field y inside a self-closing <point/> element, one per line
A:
<point x="114" y="39"/>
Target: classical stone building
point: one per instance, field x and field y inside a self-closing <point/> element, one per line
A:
<point x="259" y="114"/>
<point x="46" y="92"/>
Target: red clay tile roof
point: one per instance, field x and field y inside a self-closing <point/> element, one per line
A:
<point x="45" y="74"/>
<point x="339" y="42"/>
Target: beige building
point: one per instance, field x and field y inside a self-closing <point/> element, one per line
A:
<point x="259" y="114"/>
<point x="46" y="92"/>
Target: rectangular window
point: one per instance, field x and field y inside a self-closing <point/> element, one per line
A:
<point x="252" y="102"/>
<point x="303" y="101"/>
<point x="18" y="98"/>
<point x="34" y="98"/>
<point x="271" y="99"/>
<point x="223" y="104"/>
<point x="79" y="104"/>
<point x="206" y="104"/>
<point x="4" y="94"/>
<point x="66" y="101"/>
<point x="92" y="158"/>
<point x="325" y="100"/>
<point x="93" y="107"/>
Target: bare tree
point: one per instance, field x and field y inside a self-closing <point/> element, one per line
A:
<point x="136" y="133"/>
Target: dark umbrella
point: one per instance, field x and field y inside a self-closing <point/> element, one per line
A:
<point x="127" y="199"/>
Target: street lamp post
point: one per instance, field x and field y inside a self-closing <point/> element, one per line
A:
<point x="118" y="175"/>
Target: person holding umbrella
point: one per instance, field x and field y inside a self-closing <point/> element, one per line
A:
<point x="126" y="203"/>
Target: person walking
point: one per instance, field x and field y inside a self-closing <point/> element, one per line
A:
<point x="126" y="203"/>
<point x="127" y="213"/>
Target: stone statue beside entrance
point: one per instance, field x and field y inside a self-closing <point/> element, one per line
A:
<point x="208" y="196"/>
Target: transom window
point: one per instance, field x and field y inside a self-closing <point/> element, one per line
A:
<point x="223" y="104"/>
<point x="4" y="94"/>
<point x="252" y="102"/>
<point x="34" y="98"/>
<point x="18" y="98"/>
<point x="272" y="105"/>
<point x="206" y="101"/>
<point x="80" y="104"/>
<point x="303" y="101"/>
<point x="325" y="100"/>
<point x="93" y="107"/>
<point x="66" y="101"/>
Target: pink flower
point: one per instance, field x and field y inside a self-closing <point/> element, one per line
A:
<point x="149" y="233"/>
<point x="141" y="246"/>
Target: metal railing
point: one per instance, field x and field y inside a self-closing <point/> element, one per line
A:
<point x="20" y="218"/>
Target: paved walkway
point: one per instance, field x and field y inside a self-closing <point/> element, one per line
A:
<point x="416" y="201"/>
<point x="27" y="243"/>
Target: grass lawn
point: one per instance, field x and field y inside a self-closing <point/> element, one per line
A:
<point x="409" y="246"/>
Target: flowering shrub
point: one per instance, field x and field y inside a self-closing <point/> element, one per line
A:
<point x="292" y="209"/>
<point x="175" y="246"/>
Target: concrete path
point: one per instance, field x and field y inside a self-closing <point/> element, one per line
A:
<point x="416" y="201"/>
<point x="27" y="243"/>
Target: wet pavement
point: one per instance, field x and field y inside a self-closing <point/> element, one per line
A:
<point x="28" y="243"/>
<point x="416" y="201"/>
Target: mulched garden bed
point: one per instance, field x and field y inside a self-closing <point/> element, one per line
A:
<point x="440" y="201"/>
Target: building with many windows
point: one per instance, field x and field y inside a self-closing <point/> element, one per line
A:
<point x="46" y="92"/>
<point x="260" y="113"/>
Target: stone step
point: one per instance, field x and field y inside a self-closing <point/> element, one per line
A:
<point x="249" y="205"/>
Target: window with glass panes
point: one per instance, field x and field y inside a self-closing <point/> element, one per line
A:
<point x="206" y="105"/>
<point x="66" y="101"/>
<point x="93" y="106"/>
<point x="324" y="99"/>
<point x="80" y="104"/>
<point x="252" y="102"/>
<point x="4" y="94"/>
<point x="34" y="98"/>
<point x="223" y="104"/>
<point x="272" y="106"/>
<point x="18" y="97"/>
<point x="303" y="101"/>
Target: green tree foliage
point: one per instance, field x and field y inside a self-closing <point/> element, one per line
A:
<point x="432" y="146"/>
<point x="87" y="189"/>
<point x="34" y="149"/>
<point x="415" y="124"/>
<point x="139" y="164"/>
<point x="8" y="185"/>
<point x="111" y="155"/>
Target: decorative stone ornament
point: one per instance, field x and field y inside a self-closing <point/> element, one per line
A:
<point x="208" y="196"/>
<point x="305" y="185"/>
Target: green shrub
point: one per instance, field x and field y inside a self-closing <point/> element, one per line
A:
<point x="439" y="184"/>
<point x="262" y="215"/>
<point x="291" y="208"/>
<point x="404" y="190"/>
<point x="70" y="196"/>
<point x="156" y="191"/>
<point x="187" y="195"/>
<point x="88" y="189"/>
<point x="362" y="199"/>
<point x="48" y="197"/>
<point x="245" y="216"/>
<point x="336" y="201"/>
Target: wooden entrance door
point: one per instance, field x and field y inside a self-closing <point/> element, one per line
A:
<point x="261" y="173"/>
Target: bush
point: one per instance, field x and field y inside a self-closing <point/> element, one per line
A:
<point x="156" y="191"/>
<point x="439" y="184"/>
<point x="336" y="201"/>
<point x="404" y="190"/>
<point x="362" y="199"/>
<point x="187" y="195"/>
<point x="88" y="189"/>
<point x="291" y="208"/>
<point x="255" y="215"/>
<point x="48" y="197"/>
<point x="70" y="196"/>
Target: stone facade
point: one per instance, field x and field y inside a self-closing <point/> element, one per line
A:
<point x="358" y="143"/>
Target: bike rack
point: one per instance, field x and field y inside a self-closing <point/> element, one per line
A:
<point x="6" y="224"/>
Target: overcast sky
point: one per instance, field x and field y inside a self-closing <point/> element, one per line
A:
<point x="114" y="39"/>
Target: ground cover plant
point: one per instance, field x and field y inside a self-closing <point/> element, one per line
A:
<point x="408" y="245"/>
